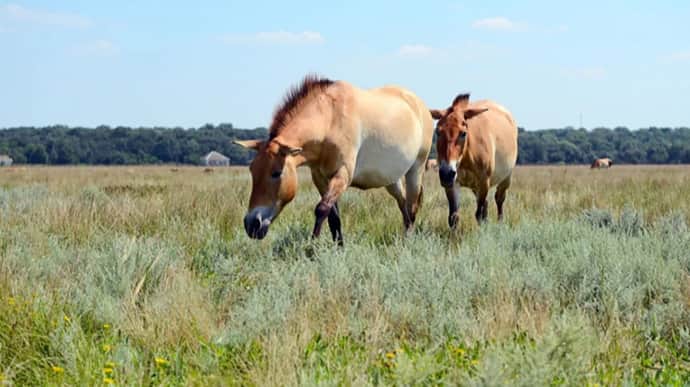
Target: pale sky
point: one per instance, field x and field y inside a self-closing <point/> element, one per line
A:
<point x="173" y="63"/>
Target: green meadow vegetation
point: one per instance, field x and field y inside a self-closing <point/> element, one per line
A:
<point x="144" y="276"/>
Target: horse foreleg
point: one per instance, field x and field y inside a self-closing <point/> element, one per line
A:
<point x="482" y="206"/>
<point x="334" y="224"/>
<point x="336" y="186"/>
<point x="453" y="196"/>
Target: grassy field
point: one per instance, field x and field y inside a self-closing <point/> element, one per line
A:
<point x="144" y="276"/>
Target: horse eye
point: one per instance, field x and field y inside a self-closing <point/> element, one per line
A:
<point x="461" y="137"/>
<point x="276" y="174"/>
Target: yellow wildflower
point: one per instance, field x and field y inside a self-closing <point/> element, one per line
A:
<point x="106" y="326"/>
<point x="161" y="362"/>
<point x="108" y="381"/>
<point x="107" y="348"/>
<point x="390" y="355"/>
<point x="460" y="351"/>
<point x="67" y="319"/>
<point x="110" y="364"/>
<point x="475" y="362"/>
<point x="58" y="370"/>
<point x="11" y="301"/>
<point x="107" y="370"/>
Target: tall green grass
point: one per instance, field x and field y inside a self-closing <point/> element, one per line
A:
<point x="144" y="276"/>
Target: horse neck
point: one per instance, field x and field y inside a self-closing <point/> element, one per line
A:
<point x="308" y="134"/>
<point x="467" y="158"/>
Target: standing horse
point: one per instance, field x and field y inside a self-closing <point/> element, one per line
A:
<point x="602" y="163"/>
<point x="347" y="137"/>
<point x="477" y="148"/>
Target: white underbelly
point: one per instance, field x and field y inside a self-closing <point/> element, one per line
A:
<point x="504" y="163"/>
<point x="381" y="163"/>
<point x="501" y="171"/>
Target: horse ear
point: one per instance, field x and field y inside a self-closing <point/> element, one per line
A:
<point x="469" y="113"/>
<point x="438" y="114"/>
<point x="249" y="144"/>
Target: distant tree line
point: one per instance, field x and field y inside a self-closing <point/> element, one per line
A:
<point x="580" y="146"/>
<point x="61" y="145"/>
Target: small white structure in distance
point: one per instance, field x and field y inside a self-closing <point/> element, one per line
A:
<point x="215" y="159"/>
<point x="5" y="161"/>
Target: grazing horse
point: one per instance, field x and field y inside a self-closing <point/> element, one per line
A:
<point x="477" y="148"/>
<point x="602" y="163"/>
<point x="431" y="164"/>
<point x="347" y="137"/>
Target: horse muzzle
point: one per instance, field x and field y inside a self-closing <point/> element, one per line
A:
<point x="257" y="222"/>
<point x="446" y="175"/>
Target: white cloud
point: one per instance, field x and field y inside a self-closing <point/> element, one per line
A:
<point x="18" y="13"/>
<point x="677" y="57"/>
<point x="275" y="37"/>
<point x="415" y="50"/>
<point x="587" y="73"/>
<point x="499" y="23"/>
<point x="101" y="47"/>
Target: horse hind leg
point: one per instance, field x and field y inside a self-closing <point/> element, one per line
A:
<point x="414" y="190"/>
<point x="396" y="190"/>
<point x="500" y="196"/>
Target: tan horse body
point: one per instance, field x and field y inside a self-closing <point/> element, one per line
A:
<point x="477" y="149"/>
<point x="348" y="137"/>
<point x="602" y="163"/>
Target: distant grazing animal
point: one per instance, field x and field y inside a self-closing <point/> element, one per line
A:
<point x="602" y="163"/>
<point x="208" y="170"/>
<point x="347" y="136"/>
<point x="477" y="148"/>
<point x="431" y="164"/>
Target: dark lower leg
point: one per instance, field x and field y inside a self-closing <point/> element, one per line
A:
<point x="415" y="205"/>
<point x="336" y="186"/>
<point x="500" y="198"/>
<point x="481" y="212"/>
<point x="482" y="205"/>
<point x="321" y="212"/>
<point x="453" y="196"/>
<point x="414" y="191"/>
<point x="334" y="224"/>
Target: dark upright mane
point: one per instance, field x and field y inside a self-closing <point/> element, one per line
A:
<point x="294" y="98"/>
<point x="461" y="98"/>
